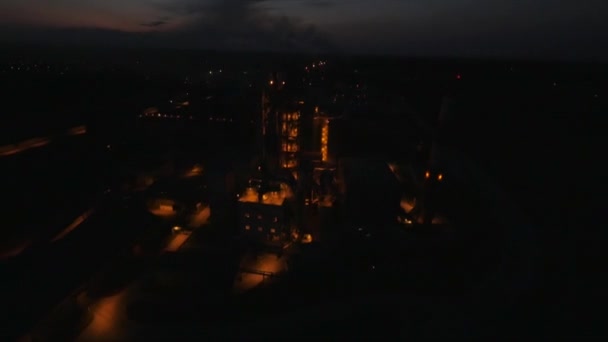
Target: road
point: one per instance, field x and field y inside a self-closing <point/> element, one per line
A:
<point x="75" y="224"/>
<point x="20" y="147"/>
<point x="110" y="318"/>
<point x="109" y="314"/>
<point x="34" y="238"/>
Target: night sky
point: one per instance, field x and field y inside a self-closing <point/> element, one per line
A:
<point x="569" y="29"/>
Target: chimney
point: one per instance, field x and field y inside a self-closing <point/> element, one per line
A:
<point x="440" y="138"/>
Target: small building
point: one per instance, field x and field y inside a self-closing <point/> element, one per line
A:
<point x="264" y="215"/>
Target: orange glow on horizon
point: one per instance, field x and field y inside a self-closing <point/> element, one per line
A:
<point x="104" y="16"/>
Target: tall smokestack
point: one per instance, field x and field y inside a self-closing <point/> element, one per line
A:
<point x="433" y="175"/>
<point x="440" y="134"/>
<point x="263" y="124"/>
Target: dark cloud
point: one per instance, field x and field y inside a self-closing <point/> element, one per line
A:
<point x="156" y="23"/>
<point x="245" y="24"/>
<point x="235" y="25"/>
<point x="571" y="29"/>
<point x="319" y="3"/>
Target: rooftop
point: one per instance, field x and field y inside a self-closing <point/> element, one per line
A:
<point x="327" y="201"/>
<point x="251" y="195"/>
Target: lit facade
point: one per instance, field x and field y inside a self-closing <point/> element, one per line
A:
<point x="289" y="125"/>
<point x="324" y="140"/>
<point x="321" y="137"/>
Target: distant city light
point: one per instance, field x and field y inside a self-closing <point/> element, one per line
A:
<point x="427" y="175"/>
<point x="271" y="82"/>
<point x="440" y="177"/>
<point x="458" y="76"/>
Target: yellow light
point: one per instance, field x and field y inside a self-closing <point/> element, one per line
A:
<point x="324" y="140"/>
<point x="306" y="238"/>
<point x="427" y="175"/>
<point x="440" y="177"/>
<point x="271" y="82"/>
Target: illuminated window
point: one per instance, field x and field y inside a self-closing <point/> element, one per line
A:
<point x="272" y="230"/>
<point x="247" y="227"/>
<point x="259" y="217"/>
<point x="276" y="219"/>
<point x="247" y="215"/>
